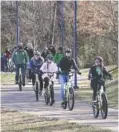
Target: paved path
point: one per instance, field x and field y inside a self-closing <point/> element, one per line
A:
<point x="25" y="101"/>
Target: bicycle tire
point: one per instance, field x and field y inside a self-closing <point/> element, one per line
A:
<point x="46" y="97"/>
<point x="71" y="94"/>
<point x="36" y="91"/>
<point x="20" y="83"/>
<point x="95" y="109"/>
<point x="104" y="108"/>
<point x="65" y="101"/>
<point x="51" y="101"/>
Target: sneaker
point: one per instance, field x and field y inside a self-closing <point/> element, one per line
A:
<point x="23" y="83"/>
<point x="62" y="103"/>
<point x="16" y="82"/>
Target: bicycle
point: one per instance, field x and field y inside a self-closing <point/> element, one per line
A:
<point x="49" y="91"/>
<point x="101" y="102"/>
<point x="37" y="86"/>
<point x="69" y="97"/>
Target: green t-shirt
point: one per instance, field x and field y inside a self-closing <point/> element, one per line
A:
<point x="58" y="57"/>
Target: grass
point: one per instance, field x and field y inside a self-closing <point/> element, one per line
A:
<point x="7" y="78"/>
<point x="14" y="121"/>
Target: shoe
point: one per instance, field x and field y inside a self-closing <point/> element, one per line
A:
<point x="62" y="103"/>
<point x="53" y="102"/>
<point x="16" y="82"/>
<point x="23" y="83"/>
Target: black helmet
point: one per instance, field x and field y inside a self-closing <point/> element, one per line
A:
<point x="60" y="48"/>
<point x="99" y="58"/>
<point x="68" y="50"/>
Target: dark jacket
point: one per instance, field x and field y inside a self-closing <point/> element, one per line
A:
<point x="45" y="54"/>
<point x="29" y="52"/>
<point x="36" y="63"/>
<point x="66" y="64"/>
<point x="98" y="73"/>
<point x="52" y="50"/>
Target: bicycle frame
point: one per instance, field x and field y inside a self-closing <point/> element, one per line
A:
<point x="68" y="85"/>
<point x="99" y="94"/>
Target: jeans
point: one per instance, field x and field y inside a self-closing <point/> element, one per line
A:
<point x="63" y="78"/>
<point x="23" y="68"/>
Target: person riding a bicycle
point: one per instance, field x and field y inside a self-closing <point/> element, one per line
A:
<point x="35" y="64"/>
<point x="65" y="65"/>
<point x="20" y="59"/>
<point x="48" y="69"/>
<point x="98" y="73"/>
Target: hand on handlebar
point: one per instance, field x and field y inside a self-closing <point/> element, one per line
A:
<point x="79" y="72"/>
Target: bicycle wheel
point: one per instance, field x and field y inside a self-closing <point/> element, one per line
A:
<point x="36" y="91"/>
<point x="95" y="108"/>
<point x="46" y="97"/>
<point x="20" y="83"/>
<point x="65" y="100"/>
<point x="71" y="99"/>
<point x="51" y="95"/>
<point x="104" y="108"/>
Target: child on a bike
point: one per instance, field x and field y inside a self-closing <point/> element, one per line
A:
<point x="35" y="64"/>
<point x="97" y="73"/>
<point x="48" y="69"/>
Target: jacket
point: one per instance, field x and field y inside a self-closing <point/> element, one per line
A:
<point x="48" y="67"/>
<point x="98" y="73"/>
<point x="36" y="64"/>
<point x="66" y="64"/>
<point x="20" y="57"/>
<point x="29" y="52"/>
<point x="58" y="57"/>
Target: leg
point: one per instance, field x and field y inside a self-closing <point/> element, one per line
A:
<point x="46" y="80"/>
<point x="62" y="82"/>
<point x="41" y="82"/>
<point x="33" y="77"/>
<point x="94" y="87"/>
<point x="23" y="71"/>
<point x="17" y="74"/>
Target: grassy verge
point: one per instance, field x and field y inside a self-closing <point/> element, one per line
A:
<point x="7" y="78"/>
<point x="13" y="121"/>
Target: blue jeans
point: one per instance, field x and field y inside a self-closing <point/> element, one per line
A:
<point x="63" y="78"/>
<point x="23" y="70"/>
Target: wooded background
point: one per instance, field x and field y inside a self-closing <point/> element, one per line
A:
<point x="40" y="23"/>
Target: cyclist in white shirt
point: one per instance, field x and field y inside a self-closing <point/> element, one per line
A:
<point x="48" y="69"/>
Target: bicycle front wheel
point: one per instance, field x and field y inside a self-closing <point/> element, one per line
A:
<point x="51" y="95"/>
<point x="47" y="97"/>
<point x="65" y="100"/>
<point x="20" y="83"/>
<point x="71" y="99"/>
<point x="95" y="108"/>
<point x="36" y="91"/>
<point x="104" y="108"/>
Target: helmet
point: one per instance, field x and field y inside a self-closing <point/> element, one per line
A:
<point x="68" y="50"/>
<point x="60" y="48"/>
<point x="49" y="57"/>
<point x="99" y="58"/>
<point x="37" y="53"/>
<point x="20" y="45"/>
